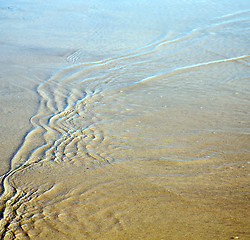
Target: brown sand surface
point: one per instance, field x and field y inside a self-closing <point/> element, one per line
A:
<point x="124" y="120"/>
<point x="138" y="200"/>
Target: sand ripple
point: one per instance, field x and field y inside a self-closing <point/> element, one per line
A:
<point x="93" y="114"/>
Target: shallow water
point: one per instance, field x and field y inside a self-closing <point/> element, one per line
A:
<point x="124" y="120"/>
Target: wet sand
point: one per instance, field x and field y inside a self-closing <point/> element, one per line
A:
<point x="124" y="120"/>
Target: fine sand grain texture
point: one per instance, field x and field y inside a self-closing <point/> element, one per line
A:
<point x="124" y="120"/>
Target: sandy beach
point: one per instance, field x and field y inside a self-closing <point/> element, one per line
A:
<point x="124" y="120"/>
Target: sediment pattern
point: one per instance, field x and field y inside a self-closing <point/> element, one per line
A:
<point x="77" y="100"/>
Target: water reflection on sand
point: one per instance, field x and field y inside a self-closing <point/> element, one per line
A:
<point x="124" y="120"/>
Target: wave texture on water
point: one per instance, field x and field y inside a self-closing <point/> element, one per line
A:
<point x="93" y="114"/>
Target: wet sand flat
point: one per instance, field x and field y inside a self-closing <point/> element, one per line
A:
<point x="124" y="120"/>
